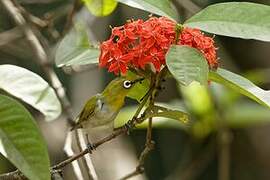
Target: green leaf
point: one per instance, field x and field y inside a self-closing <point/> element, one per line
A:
<point x="75" y="49"/>
<point x="187" y="65"/>
<point x="242" y="115"/>
<point x="197" y="98"/>
<point x="241" y="85"/>
<point x="172" y="114"/>
<point x="163" y="123"/>
<point x="100" y="7"/>
<point x="30" y="88"/>
<point x="234" y="19"/>
<point x="175" y="105"/>
<point x="162" y="8"/>
<point x="140" y="89"/>
<point x="201" y="107"/>
<point x="172" y="110"/>
<point x="158" y="122"/>
<point x="21" y="141"/>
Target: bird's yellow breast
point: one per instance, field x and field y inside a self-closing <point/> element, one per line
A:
<point x="116" y="102"/>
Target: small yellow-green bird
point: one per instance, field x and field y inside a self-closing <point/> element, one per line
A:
<point x="101" y="109"/>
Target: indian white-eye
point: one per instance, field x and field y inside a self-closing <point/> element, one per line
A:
<point x="102" y="109"/>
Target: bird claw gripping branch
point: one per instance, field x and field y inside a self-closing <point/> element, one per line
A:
<point x="129" y="125"/>
<point x="90" y="147"/>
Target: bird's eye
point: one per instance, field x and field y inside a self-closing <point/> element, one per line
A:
<point x="127" y="84"/>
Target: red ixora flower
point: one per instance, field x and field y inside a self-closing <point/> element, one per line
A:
<point x="195" y="38"/>
<point x="138" y="43"/>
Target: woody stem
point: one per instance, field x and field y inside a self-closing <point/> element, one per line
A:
<point x="149" y="145"/>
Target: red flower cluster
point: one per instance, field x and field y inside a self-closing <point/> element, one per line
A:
<point x="138" y="43"/>
<point x="195" y="38"/>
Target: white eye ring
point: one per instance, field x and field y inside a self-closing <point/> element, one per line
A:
<point x="127" y="84"/>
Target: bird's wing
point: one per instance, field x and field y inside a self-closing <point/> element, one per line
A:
<point x="87" y="112"/>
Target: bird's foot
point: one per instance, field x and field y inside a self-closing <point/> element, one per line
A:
<point x="129" y="126"/>
<point x="90" y="147"/>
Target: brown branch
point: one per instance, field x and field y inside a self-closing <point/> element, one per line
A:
<point x="39" y="22"/>
<point x="225" y="139"/>
<point x="77" y="4"/>
<point x="120" y="131"/>
<point x="34" y="19"/>
<point x="15" y="175"/>
<point x="149" y="145"/>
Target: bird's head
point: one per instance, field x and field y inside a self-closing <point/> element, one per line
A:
<point x="122" y="85"/>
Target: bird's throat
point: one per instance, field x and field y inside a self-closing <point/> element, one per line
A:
<point x="115" y="102"/>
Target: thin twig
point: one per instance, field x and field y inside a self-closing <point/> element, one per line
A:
<point x="39" y="22"/>
<point x="69" y="22"/>
<point x="52" y="17"/>
<point x="118" y="132"/>
<point x="121" y="131"/>
<point x="225" y="139"/>
<point x="15" y="175"/>
<point x="34" y="19"/>
<point x="149" y="145"/>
